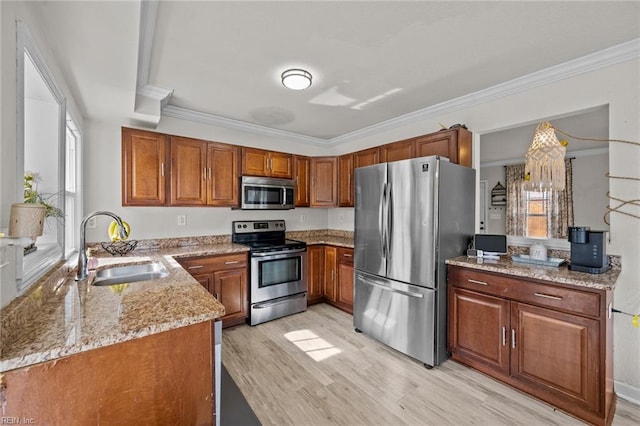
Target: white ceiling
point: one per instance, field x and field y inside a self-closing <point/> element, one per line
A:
<point x="371" y="62"/>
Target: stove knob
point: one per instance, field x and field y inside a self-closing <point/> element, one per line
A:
<point x="244" y="226"/>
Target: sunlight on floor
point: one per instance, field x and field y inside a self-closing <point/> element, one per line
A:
<point x="307" y="341"/>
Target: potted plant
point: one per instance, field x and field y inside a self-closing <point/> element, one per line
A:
<point x="27" y="218"/>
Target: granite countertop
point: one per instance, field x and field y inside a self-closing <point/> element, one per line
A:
<point x="58" y="316"/>
<point x="329" y="237"/>
<point x="561" y="274"/>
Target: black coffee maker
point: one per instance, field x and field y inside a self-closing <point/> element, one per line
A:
<point x="588" y="250"/>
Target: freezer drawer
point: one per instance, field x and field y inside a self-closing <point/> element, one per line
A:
<point x="399" y="315"/>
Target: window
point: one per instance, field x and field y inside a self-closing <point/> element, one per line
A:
<point x="536" y="214"/>
<point x="47" y="144"/>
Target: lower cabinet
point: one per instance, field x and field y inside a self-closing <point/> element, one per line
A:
<point x="226" y="278"/>
<point x="121" y="384"/>
<point x="330" y="276"/>
<point x="551" y="341"/>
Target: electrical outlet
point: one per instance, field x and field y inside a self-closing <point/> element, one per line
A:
<point x="302" y="218"/>
<point x="91" y="223"/>
<point x="182" y="220"/>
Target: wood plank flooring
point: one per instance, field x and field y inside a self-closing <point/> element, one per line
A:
<point x="312" y="368"/>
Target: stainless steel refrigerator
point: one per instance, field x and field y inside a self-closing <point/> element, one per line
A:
<point x="410" y="216"/>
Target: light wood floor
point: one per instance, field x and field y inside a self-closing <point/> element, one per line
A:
<point x="314" y="369"/>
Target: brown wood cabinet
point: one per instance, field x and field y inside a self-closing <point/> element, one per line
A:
<point x="226" y="278"/>
<point x="366" y="157"/>
<point x="330" y="276"/>
<point x="258" y="162"/>
<point x="324" y="182"/>
<point x="401" y="150"/>
<point x="301" y="176"/>
<point x="203" y="173"/>
<point x="121" y="384"/>
<point x="315" y="274"/>
<point x="145" y="168"/>
<point x="346" y="181"/>
<point x="551" y="341"/>
<point x="344" y="272"/>
<point x="452" y="143"/>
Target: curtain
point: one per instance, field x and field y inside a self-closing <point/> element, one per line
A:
<point x="516" y="211"/>
<point x="560" y="211"/>
<point x="559" y="205"/>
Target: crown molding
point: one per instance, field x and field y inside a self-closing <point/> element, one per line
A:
<point x="215" y="120"/>
<point x="614" y="55"/>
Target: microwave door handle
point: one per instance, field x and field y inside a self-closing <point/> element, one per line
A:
<point x="284" y="195"/>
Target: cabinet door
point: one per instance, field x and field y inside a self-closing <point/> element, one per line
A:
<point x="347" y="182"/>
<point x="557" y="354"/>
<point x="345" y="279"/>
<point x="324" y="181"/>
<point x="366" y="157"/>
<point x="454" y="144"/>
<point x="401" y="150"/>
<point x="330" y="270"/>
<point x="188" y="172"/>
<point x="280" y="165"/>
<point x="222" y="175"/>
<point x="206" y="280"/>
<point x="478" y="330"/>
<point x="315" y="275"/>
<point x="230" y="288"/>
<point x="301" y="167"/>
<point x="144" y="160"/>
<point x="254" y="162"/>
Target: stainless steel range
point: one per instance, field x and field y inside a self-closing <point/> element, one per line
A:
<point x="278" y="272"/>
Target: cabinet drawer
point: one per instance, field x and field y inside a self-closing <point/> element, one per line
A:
<point x="203" y="264"/>
<point x="523" y="290"/>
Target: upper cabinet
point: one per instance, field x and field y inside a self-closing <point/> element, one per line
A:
<point x="346" y="182"/>
<point x="301" y="176"/>
<point x="401" y="150"/>
<point x="258" y="162"/>
<point x="203" y="173"/>
<point x="324" y="182"/>
<point x="144" y="168"/>
<point x="452" y="143"/>
<point x="347" y="164"/>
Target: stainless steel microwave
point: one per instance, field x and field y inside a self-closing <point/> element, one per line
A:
<point x="262" y="193"/>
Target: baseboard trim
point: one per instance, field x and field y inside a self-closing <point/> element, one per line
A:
<point x="627" y="392"/>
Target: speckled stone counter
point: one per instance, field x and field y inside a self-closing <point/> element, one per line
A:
<point x="561" y="274"/>
<point x="58" y="316"/>
<point x="329" y="237"/>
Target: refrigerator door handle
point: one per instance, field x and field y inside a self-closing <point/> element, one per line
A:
<point x="390" y="289"/>
<point x="389" y="225"/>
<point x="381" y="220"/>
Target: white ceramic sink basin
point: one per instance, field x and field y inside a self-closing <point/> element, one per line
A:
<point x="130" y="273"/>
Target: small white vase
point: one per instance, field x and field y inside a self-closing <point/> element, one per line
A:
<point x="26" y="220"/>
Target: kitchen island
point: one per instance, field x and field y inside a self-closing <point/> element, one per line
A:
<point x="544" y="330"/>
<point x="72" y="353"/>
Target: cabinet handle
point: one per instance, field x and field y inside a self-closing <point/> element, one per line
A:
<point x="162" y="169"/>
<point x="215" y="295"/>
<point x="348" y="255"/>
<point x="231" y="262"/>
<point x="547" y="296"/>
<point x="504" y="335"/>
<point x="204" y="173"/>
<point x="477" y="282"/>
<point x="333" y="274"/>
<point x="195" y="267"/>
<point x="349" y="180"/>
<point x="209" y="170"/>
<point x="513" y="338"/>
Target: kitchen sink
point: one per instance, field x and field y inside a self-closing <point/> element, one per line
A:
<point x="130" y="273"/>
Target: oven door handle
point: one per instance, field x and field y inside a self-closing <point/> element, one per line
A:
<point x="279" y="302"/>
<point x="271" y="253"/>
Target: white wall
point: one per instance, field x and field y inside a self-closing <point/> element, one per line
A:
<point x="495" y="221"/>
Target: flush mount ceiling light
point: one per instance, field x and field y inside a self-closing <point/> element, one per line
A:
<point x="296" y="79"/>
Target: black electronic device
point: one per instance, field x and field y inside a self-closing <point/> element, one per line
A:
<point x="588" y="250"/>
<point x="490" y="244"/>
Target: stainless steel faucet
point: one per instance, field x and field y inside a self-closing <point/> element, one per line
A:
<point x="83" y="267"/>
